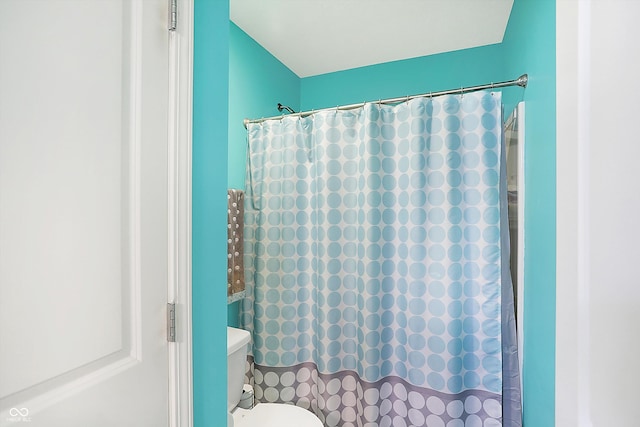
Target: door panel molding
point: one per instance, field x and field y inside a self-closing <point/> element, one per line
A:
<point x="39" y="395"/>
<point x="93" y="79"/>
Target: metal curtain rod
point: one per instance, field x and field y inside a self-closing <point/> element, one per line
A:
<point x="520" y="81"/>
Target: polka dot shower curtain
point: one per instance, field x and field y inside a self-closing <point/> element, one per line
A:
<point x="376" y="265"/>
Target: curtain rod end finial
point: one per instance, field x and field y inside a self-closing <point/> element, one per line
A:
<point x="523" y="80"/>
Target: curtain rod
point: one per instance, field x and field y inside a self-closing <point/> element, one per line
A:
<point x="520" y="81"/>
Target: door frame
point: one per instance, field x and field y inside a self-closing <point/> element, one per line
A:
<point x="179" y="214"/>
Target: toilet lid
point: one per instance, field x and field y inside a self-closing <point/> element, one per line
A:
<point x="275" y="415"/>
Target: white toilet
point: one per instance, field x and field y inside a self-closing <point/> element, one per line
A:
<point x="263" y="414"/>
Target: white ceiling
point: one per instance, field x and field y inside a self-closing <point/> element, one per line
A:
<point x="314" y="37"/>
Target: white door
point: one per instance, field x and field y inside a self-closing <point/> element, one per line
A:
<point x="83" y="213"/>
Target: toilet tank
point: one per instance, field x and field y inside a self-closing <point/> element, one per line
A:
<point x="237" y="346"/>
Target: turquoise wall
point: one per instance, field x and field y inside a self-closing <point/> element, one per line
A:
<point x="409" y="77"/>
<point x="209" y="212"/>
<point x="257" y="82"/>
<point x="530" y="46"/>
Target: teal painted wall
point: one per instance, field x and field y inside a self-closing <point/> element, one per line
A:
<point x="257" y="82"/>
<point x="530" y="46"/>
<point x="209" y="216"/>
<point x="409" y="77"/>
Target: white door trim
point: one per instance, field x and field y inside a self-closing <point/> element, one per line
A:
<point x="573" y="121"/>
<point x="179" y="214"/>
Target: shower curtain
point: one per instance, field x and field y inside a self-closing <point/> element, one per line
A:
<point x="376" y="261"/>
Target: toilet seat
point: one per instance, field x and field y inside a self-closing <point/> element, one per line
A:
<point x="275" y="415"/>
